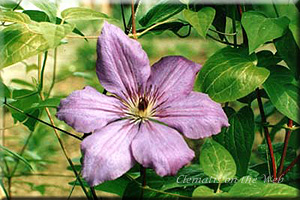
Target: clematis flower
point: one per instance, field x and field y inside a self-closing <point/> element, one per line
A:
<point x="143" y="118"/>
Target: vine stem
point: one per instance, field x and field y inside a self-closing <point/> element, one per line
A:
<point x="266" y="131"/>
<point x="221" y="41"/>
<point x="144" y="183"/>
<point x="261" y="109"/>
<point x="286" y="141"/>
<point x="289" y="167"/>
<point x="41" y="72"/>
<point x="133" y="20"/>
<point x="234" y="28"/>
<point x="63" y="147"/>
<point x="43" y="122"/>
<point x="54" y="72"/>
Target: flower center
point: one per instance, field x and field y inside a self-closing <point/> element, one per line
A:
<point x="140" y="109"/>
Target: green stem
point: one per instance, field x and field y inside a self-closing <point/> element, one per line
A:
<point x="219" y="187"/>
<point x="143" y="175"/>
<point x="21" y="153"/>
<point x="234" y="27"/>
<point x="33" y="117"/>
<point x="55" y="130"/>
<point x="54" y="72"/>
<point x="221" y="41"/>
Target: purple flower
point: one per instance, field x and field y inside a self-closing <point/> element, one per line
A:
<point x="142" y="119"/>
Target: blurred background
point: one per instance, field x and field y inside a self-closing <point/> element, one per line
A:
<point x="76" y="69"/>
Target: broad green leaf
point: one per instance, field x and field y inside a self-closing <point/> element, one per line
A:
<point x="216" y="161"/>
<point x="247" y="186"/>
<point x="161" y="11"/>
<point x="82" y="14"/>
<point x="261" y="29"/>
<point x="283" y="90"/>
<point x="230" y="74"/>
<point x="17" y="17"/>
<point x="18" y="42"/>
<point x="10" y="5"/>
<point x="116" y="186"/>
<point x="194" y="172"/>
<point x="171" y="26"/>
<point x="4" y="91"/>
<point x="277" y="150"/>
<point x="48" y="7"/>
<point x="203" y="191"/>
<point x="16" y="156"/>
<point x="294" y="27"/>
<point x="266" y="58"/>
<point x="288" y="49"/>
<point x="23" y="83"/>
<point x="238" y="138"/>
<point x="52" y="33"/>
<point x="51" y="102"/>
<point x="24" y="102"/>
<point x="251" y="187"/>
<point x="37" y="15"/>
<point x="248" y="99"/>
<point x="200" y="20"/>
<point x="40" y="16"/>
<point x="279" y="190"/>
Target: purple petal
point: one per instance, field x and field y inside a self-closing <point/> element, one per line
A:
<point x="87" y="110"/>
<point x="173" y="76"/>
<point x="161" y="148"/>
<point x="122" y="64"/>
<point x="196" y="116"/>
<point x="107" y="152"/>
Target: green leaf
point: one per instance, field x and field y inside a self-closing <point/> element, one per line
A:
<point x="251" y="187"/>
<point x="200" y="20"/>
<point x="161" y="11"/>
<point x="37" y="15"/>
<point x="4" y="91"/>
<point x="216" y="161"/>
<point x="10" y="5"/>
<point x="116" y="186"/>
<point x="283" y="90"/>
<point x="266" y="58"/>
<point x="171" y="26"/>
<point x="248" y="99"/>
<point x="17" y="17"/>
<point x="50" y="103"/>
<point x="277" y="150"/>
<point x="52" y="33"/>
<point x="238" y="138"/>
<point x="18" y="42"/>
<point x="287" y="48"/>
<point x="23" y="83"/>
<point x="261" y="29"/>
<point x="16" y="156"/>
<point x="203" y="191"/>
<point x="230" y="74"/>
<point x="82" y="14"/>
<point x="48" y="7"/>
<point x="40" y="16"/>
<point x="25" y="103"/>
<point x="279" y="190"/>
